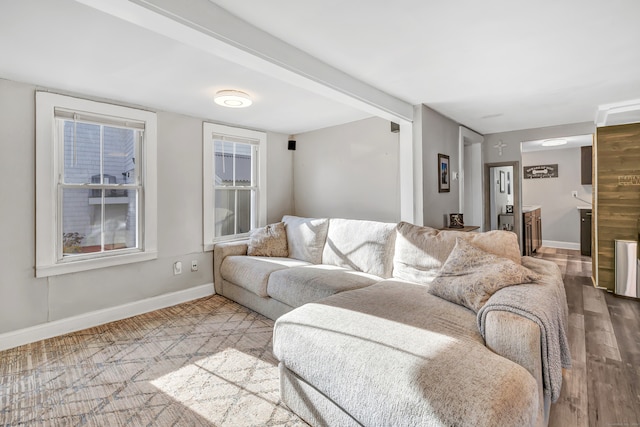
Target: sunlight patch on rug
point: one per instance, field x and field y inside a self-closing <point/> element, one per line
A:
<point x="228" y="388"/>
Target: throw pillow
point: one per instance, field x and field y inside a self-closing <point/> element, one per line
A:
<point x="470" y="276"/>
<point x="306" y="237"/>
<point x="421" y="251"/>
<point x="268" y="241"/>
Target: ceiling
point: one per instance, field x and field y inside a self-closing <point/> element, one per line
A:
<point x="493" y="66"/>
<point x="571" y="142"/>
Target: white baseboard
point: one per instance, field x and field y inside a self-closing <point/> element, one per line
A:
<point x="100" y="317"/>
<point x="561" y="245"/>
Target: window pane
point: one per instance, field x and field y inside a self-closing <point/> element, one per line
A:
<point x="120" y="221"/>
<point x="233" y="164"/>
<point x="119" y="155"/>
<point x="224" y="211"/>
<point x="81" y="152"/>
<point x="83" y="225"/>
<point x="243" y="165"/>
<point x="223" y="155"/>
<point x="81" y="222"/>
<point x="243" y="216"/>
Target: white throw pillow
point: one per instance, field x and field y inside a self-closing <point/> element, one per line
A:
<point x="306" y="237"/>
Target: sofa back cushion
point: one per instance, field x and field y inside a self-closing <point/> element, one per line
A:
<point x="365" y="246"/>
<point x="420" y="252"/>
<point x="306" y="237"/>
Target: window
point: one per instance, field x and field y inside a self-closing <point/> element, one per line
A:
<point x="95" y="184"/>
<point x="234" y="182"/>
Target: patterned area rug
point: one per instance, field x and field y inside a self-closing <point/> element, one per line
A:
<point x="202" y="363"/>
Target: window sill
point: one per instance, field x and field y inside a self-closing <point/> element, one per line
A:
<point x="92" y="264"/>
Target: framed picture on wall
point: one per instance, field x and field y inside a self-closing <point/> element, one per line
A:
<point x="502" y="181"/>
<point x="444" y="174"/>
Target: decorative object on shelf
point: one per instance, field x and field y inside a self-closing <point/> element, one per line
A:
<point x="444" y="174"/>
<point x="541" y="171"/>
<point x="456" y="220"/>
<point x="509" y="209"/>
<point x="501" y="181"/>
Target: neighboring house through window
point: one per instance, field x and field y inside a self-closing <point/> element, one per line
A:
<point x="96" y="189"/>
<point x="234" y="182"/>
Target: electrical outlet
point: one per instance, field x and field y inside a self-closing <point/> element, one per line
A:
<point x="177" y="268"/>
<point x="574" y="194"/>
<point x="194" y="265"/>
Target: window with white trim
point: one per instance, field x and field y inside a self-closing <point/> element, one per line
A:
<point x="96" y="191"/>
<point x="234" y="182"/>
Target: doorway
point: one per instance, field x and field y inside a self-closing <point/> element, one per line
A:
<point x="502" y="197"/>
<point x="470" y="167"/>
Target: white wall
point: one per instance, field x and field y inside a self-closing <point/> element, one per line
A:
<point x="279" y="177"/>
<point x="560" y="217"/>
<point x="348" y="171"/>
<point x="26" y="301"/>
<point x="439" y="135"/>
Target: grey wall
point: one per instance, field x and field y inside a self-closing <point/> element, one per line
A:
<point x="439" y="135"/>
<point x="560" y="216"/>
<point x="348" y="171"/>
<point x="513" y="139"/>
<point x="26" y="301"/>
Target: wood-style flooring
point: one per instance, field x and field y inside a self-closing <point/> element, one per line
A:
<point x="603" y="386"/>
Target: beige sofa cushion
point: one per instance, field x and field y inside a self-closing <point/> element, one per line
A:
<point x="360" y="245"/>
<point x="306" y="237"/>
<point x="270" y="241"/>
<point x="470" y="276"/>
<point x="298" y="286"/>
<point x="252" y="273"/>
<point x="420" y="252"/>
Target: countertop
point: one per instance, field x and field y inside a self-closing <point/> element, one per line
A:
<point x="584" y="208"/>
<point x="530" y="208"/>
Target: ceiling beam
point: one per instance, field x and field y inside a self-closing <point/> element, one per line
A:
<point x="208" y="27"/>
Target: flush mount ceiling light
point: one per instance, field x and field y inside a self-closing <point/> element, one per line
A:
<point x="554" y="142"/>
<point x="232" y="99"/>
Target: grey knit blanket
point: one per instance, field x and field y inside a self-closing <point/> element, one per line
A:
<point x="544" y="303"/>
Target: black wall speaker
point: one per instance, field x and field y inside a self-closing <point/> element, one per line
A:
<point x="395" y="128"/>
<point x="292" y="144"/>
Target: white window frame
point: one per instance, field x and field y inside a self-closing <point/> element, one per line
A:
<point x="49" y="164"/>
<point x="259" y="210"/>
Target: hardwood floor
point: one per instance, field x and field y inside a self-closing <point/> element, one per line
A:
<point x="603" y="386"/>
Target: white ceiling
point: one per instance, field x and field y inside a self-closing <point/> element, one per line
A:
<point x="572" y="142"/>
<point x="493" y="66"/>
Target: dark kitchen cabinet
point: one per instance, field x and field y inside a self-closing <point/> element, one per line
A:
<point x="586" y="165"/>
<point x="532" y="228"/>
<point x="585" y="232"/>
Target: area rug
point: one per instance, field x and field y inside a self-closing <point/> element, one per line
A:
<point x="207" y="362"/>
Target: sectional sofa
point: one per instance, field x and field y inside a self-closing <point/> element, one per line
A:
<point x="395" y="324"/>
